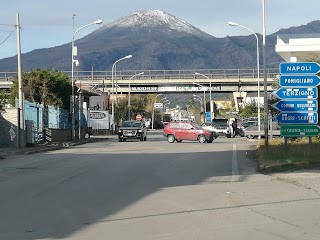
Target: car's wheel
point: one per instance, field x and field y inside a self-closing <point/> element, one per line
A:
<point x="171" y="138"/>
<point x="250" y="136"/>
<point x="202" y="139"/>
<point x="179" y="141"/>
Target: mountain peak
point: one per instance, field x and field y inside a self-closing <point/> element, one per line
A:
<point x="156" y="19"/>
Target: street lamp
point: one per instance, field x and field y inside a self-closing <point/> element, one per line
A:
<point x="112" y="82"/>
<point x="155" y="99"/>
<point x="204" y="98"/>
<point x="73" y="61"/>
<point x="258" y="69"/>
<point x="211" y="110"/>
<point x="129" y="92"/>
<point x="265" y="86"/>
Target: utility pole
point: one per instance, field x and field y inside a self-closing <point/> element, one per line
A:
<point x="21" y="132"/>
<point x="266" y="111"/>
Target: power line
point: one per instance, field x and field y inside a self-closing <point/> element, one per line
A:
<point x="7" y="37"/>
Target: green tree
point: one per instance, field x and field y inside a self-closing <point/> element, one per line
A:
<point x="166" y="117"/>
<point x="249" y="110"/>
<point x="138" y="106"/>
<point x="44" y="86"/>
<point x="3" y="98"/>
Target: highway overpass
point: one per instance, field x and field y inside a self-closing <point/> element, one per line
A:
<point x="153" y="81"/>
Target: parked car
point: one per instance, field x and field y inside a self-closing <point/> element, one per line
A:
<point x="179" y="131"/>
<point x="220" y="126"/>
<point x="252" y="132"/>
<point x="132" y="130"/>
<point x="242" y="126"/>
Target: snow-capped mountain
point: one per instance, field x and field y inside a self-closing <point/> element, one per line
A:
<point x="150" y="19"/>
<point x="158" y="41"/>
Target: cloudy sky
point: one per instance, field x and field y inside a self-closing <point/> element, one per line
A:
<point x="49" y="23"/>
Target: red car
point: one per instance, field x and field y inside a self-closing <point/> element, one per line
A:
<point x="178" y="131"/>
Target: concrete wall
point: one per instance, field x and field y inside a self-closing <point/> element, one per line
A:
<point x="9" y="128"/>
<point x="62" y="135"/>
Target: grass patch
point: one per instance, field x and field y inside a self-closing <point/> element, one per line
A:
<point x="298" y="153"/>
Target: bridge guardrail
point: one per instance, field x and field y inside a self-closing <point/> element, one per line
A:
<point x="161" y="74"/>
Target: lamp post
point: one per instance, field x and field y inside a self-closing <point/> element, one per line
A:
<point x="129" y="93"/>
<point x="196" y="97"/>
<point x="112" y="82"/>
<point x="211" y="110"/>
<point x="265" y="86"/>
<point x="155" y="99"/>
<point x="204" y="99"/>
<point x="258" y="70"/>
<point x="73" y="61"/>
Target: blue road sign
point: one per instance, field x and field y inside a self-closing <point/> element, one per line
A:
<point x="296" y="105"/>
<point x="208" y="117"/>
<point x="296" y="93"/>
<point x="299" y="81"/>
<point x="299" y="68"/>
<point x="298" y="118"/>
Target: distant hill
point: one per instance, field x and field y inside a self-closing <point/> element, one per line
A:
<point x="157" y="40"/>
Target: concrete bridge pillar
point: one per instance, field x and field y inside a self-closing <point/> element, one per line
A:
<point x="239" y="99"/>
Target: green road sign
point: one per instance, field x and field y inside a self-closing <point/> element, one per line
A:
<point x="299" y="130"/>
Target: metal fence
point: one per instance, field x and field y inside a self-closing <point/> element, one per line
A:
<point x="161" y="74"/>
<point x="45" y="117"/>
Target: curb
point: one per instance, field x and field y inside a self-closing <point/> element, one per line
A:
<point x="287" y="167"/>
<point x="52" y="148"/>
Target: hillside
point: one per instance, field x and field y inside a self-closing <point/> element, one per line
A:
<point x="157" y="40"/>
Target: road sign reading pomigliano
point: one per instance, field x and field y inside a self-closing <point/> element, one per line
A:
<point x="296" y="105"/>
<point x="296" y="93"/>
<point x="299" y="81"/>
<point x="299" y="130"/>
<point x="287" y="68"/>
<point x="298" y="118"/>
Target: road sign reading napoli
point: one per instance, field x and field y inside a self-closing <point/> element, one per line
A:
<point x="299" y="68"/>
<point x="299" y="130"/>
<point x="298" y="118"/>
<point x="296" y="105"/>
<point x="299" y="81"/>
<point x="296" y="93"/>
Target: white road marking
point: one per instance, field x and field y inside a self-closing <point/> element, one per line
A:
<point x="235" y="167"/>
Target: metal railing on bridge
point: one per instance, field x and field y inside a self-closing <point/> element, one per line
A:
<point x="162" y="74"/>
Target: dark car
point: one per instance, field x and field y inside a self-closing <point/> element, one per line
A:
<point x="178" y="131"/>
<point x="132" y="130"/>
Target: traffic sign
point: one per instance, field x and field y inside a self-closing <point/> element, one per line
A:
<point x="299" y="81"/>
<point x="158" y="105"/>
<point x="298" y="118"/>
<point x="296" y="93"/>
<point x="138" y="117"/>
<point x="296" y="105"/>
<point x="299" y="130"/>
<point x="208" y="116"/>
<point x="287" y="68"/>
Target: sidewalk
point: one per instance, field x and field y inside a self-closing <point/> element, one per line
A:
<point x="5" y="152"/>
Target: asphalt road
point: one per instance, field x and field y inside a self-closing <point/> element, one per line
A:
<point x="153" y="190"/>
